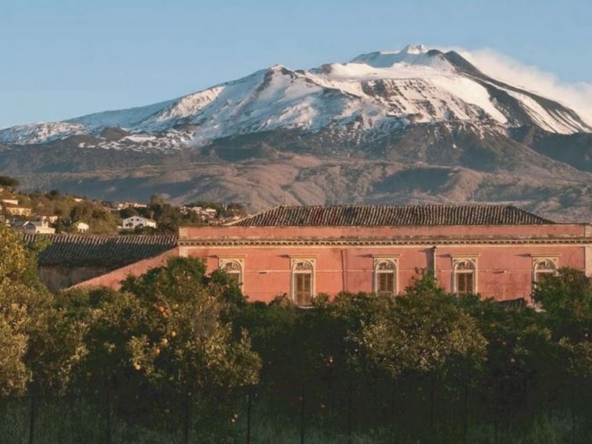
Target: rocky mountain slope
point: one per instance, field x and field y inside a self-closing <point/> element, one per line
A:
<point x="414" y="126"/>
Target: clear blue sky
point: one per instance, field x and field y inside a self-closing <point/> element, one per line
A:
<point x="65" y="58"/>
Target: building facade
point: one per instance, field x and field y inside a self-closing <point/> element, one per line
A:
<point x="496" y="251"/>
<point x="38" y="227"/>
<point x="133" y="222"/>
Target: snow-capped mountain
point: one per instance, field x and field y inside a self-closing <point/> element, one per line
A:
<point x="412" y="126"/>
<point x="373" y="94"/>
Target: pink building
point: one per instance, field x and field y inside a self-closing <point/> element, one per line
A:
<point x="496" y="251"/>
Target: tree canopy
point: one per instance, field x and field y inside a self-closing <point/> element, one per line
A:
<point x="10" y="182"/>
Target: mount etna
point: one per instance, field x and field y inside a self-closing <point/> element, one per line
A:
<point x="413" y="126"/>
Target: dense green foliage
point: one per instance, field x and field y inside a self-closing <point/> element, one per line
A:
<point x="177" y="349"/>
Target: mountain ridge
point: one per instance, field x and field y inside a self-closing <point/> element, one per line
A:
<point x="391" y="119"/>
<point x="374" y="85"/>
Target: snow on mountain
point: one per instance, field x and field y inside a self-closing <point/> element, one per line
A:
<point x="128" y="118"/>
<point x="380" y="88"/>
<point x="40" y="132"/>
<point x="410" y="55"/>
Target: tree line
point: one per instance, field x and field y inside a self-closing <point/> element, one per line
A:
<point x="425" y="361"/>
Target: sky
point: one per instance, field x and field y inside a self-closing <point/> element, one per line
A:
<point x="62" y="59"/>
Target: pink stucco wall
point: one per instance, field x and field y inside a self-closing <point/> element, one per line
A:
<point x="344" y="256"/>
<point x="504" y="255"/>
<point x="113" y="279"/>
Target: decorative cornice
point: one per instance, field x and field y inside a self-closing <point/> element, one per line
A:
<point x="380" y="242"/>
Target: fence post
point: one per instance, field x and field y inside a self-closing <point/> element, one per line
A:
<point x="32" y="414"/>
<point x="249" y="392"/>
<point x="349" y="413"/>
<point x="302" y="422"/>
<point x="109" y="419"/>
<point x="496" y="411"/>
<point x="187" y="419"/>
<point x="65" y="413"/>
<point x="432" y="406"/>
<point x="573" y="412"/>
<point x="466" y="410"/>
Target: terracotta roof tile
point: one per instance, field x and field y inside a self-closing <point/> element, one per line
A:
<point x="101" y="251"/>
<point x="385" y="215"/>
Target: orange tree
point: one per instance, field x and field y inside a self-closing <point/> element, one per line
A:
<point x="426" y="350"/>
<point x="566" y="300"/>
<point x="23" y="306"/>
<point x="423" y="330"/>
<point x="166" y="336"/>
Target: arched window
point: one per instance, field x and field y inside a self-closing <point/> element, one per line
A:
<point x="543" y="268"/>
<point x="465" y="276"/>
<point x="302" y="282"/>
<point x="234" y="269"/>
<point x="385" y="277"/>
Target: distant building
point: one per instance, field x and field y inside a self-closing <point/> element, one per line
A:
<point x="14" y="202"/>
<point x="133" y="222"/>
<point x="123" y="205"/>
<point x="16" y="223"/>
<point x="205" y="214"/>
<point x="81" y="227"/>
<point x="16" y="210"/>
<point x="52" y="219"/>
<point x="37" y="227"/>
<point x="11" y="206"/>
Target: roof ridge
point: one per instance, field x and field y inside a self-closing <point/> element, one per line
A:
<point x="254" y="215"/>
<point x="452" y="205"/>
<point x="393" y="215"/>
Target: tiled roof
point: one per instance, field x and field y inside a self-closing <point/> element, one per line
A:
<point x="385" y="215"/>
<point x="101" y="251"/>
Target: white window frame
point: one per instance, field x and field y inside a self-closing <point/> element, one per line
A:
<point x="302" y="266"/>
<point x="464" y="265"/>
<point x="386" y="265"/>
<point x="233" y="266"/>
<point x="544" y="265"/>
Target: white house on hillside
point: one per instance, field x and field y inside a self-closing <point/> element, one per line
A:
<point x="15" y="210"/>
<point x="131" y="223"/>
<point x="81" y="227"/>
<point x="38" y="227"/>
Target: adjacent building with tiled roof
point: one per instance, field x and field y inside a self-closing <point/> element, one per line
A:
<point x="498" y="251"/>
<point x="68" y="259"/>
<point x="389" y="215"/>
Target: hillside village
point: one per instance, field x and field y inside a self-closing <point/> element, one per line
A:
<point x="42" y="212"/>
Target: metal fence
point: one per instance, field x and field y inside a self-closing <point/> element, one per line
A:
<point x="347" y="412"/>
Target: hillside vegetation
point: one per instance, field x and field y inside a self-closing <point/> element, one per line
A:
<point x="65" y="210"/>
